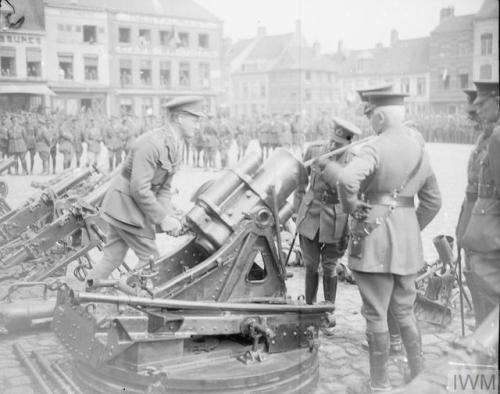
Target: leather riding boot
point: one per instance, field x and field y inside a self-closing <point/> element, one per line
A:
<point x="413" y="344"/>
<point x="311" y="286"/>
<point x="330" y="289"/>
<point x="477" y="299"/>
<point x="378" y="348"/>
<point x="396" y="344"/>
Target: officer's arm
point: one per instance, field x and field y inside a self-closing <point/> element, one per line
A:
<point x="494" y="157"/>
<point x="143" y="169"/>
<point x="429" y="198"/>
<point x="302" y="186"/>
<point x="351" y="176"/>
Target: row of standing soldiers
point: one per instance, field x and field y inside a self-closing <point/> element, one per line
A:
<point x="26" y="135"/>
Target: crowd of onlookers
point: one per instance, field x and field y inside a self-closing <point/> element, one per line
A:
<point x="26" y="135"/>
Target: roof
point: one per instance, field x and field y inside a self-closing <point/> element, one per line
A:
<point x="304" y="58"/>
<point x="33" y="12"/>
<point x="488" y="10"/>
<point x="187" y="9"/>
<point x="403" y="57"/>
<point x="238" y="47"/>
<point x="269" y="47"/>
<point x="455" y="23"/>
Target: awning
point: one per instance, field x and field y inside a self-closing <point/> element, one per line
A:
<point x="39" y="90"/>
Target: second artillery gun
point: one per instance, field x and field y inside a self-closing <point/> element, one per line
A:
<point x="217" y="318"/>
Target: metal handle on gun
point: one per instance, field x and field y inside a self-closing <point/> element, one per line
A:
<point x="308" y="163"/>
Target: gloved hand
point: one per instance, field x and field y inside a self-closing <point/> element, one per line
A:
<point x="171" y="225"/>
<point x="322" y="162"/>
<point x="362" y="210"/>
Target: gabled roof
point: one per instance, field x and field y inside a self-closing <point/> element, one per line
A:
<point x="269" y="47"/>
<point x="187" y="9"/>
<point x="305" y="58"/>
<point x="238" y="47"/>
<point x="455" y="23"/>
<point x="33" y="12"/>
<point x="403" y="57"/>
<point x="488" y="10"/>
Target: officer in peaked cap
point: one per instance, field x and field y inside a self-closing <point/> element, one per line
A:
<point x="481" y="236"/>
<point x="385" y="247"/>
<point x="382" y="88"/>
<point x="321" y="224"/>
<point x="138" y="200"/>
<point x="476" y="157"/>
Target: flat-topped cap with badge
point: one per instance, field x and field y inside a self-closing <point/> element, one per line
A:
<point x="381" y="88"/>
<point x="344" y="130"/>
<point x="485" y="90"/>
<point x="191" y="105"/>
<point x="471" y="95"/>
<point x="382" y="99"/>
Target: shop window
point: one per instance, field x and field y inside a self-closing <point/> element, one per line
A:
<point x="8" y="61"/>
<point x="184" y="40"/>
<point x="90" y="34"/>
<point x="33" y="62"/>
<point x="421" y="87"/>
<point x="124" y="35"/>
<point x="486" y="44"/>
<point x="203" y="40"/>
<point x="145" y="72"/>
<point x="90" y="68"/>
<point x="65" y="66"/>
<point x="184" y="74"/>
<point x="125" y="72"/>
<point x="144" y="37"/>
<point x="485" y="71"/>
<point x="165" y="74"/>
<point x="204" y="75"/>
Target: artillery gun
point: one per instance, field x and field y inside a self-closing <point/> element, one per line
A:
<point x="38" y="209"/>
<point x="219" y="319"/>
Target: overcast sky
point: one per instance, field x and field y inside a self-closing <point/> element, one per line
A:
<point x="359" y="23"/>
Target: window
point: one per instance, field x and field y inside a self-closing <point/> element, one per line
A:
<point x="486" y="44"/>
<point x="165" y="37"/>
<point x="307" y="95"/>
<point x="308" y="75"/>
<point x="65" y="65"/>
<point x="245" y="89"/>
<point x="90" y="68"/>
<point x="203" y="40"/>
<point x="485" y="71"/>
<point x="145" y="72"/>
<point x="204" y="75"/>
<point x="184" y="40"/>
<point x="463" y="48"/>
<point x="144" y="37"/>
<point x="33" y="62"/>
<point x="125" y="72"/>
<point x="147" y="106"/>
<point x="184" y="74"/>
<point x="421" y="86"/>
<point x="126" y="106"/>
<point x="444" y="78"/>
<point x="60" y="27"/>
<point x="405" y="85"/>
<point x="124" y="35"/>
<point x="90" y="34"/>
<point x="165" y="74"/>
<point x="8" y="61"/>
<point x="262" y="90"/>
<point x="463" y="79"/>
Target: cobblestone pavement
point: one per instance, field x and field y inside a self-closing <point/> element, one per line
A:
<point x="343" y="362"/>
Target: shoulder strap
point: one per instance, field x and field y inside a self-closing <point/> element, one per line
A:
<point x="412" y="174"/>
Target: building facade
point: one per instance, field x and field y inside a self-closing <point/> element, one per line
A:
<point x="485" y="62"/>
<point x="23" y="56"/>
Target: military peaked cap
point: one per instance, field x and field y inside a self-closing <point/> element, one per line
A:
<point x="187" y="104"/>
<point x="344" y="130"/>
<point x="471" y="95"/>
<point x="485" y="90"/>
<point x="381" y="99"/>
<point x="382" y="88"/>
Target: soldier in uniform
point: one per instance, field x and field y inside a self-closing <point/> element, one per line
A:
<point x="297" y="130"/>
<point x="4" y="137"/>
<point x="482" y="236"/>
<point x="66" y="143"/>
<point x="17" y="144"/>
<point x="42" y="143"/>
<point x="226" y="139"/>
<point x="385" y="247"/>
<point x="321" y="224"/>
<point x="473" y="169"/>
<point x="94" y="139"/>
<point x="78" y="139"/>
<point x="30" y="130"/>
<point x="53" y="131"/>
<point x="139" y="198"/>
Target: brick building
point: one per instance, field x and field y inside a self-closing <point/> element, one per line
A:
<point x="450" y="60"/>
<point x="23" y="56"/>
<point x="485" y="62"/>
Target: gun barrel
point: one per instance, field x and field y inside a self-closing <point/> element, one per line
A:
<point x="7" y="163"/>
<point x="69" y="182"/>
<point x="78" y="298"/>
<point x="443" y="243"/>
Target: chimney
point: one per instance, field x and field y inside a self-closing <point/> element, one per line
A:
<point x="340" y="46"/>
<point x="261" y="31"/>
<point x="394" y="37"/>
<point x="446" y="13"/>
<point x="316" y="48"/>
